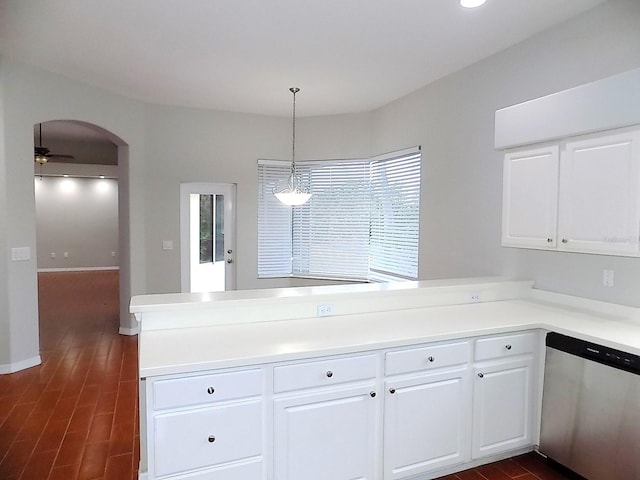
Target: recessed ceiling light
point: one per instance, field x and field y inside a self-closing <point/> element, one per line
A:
<point x="472" y="3"/>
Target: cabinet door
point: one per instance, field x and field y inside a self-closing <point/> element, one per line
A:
<point x="502" y="406"/>
<point x="426" y="423"/>
<point x="326" y="435"/>
<point x="530" y="198"/>
<point x="599" y="194"/>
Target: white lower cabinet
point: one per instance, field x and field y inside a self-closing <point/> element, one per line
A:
<point x="426" y="423"/>
<point x="434" y="408"/>
<point x="503" y="394"/>
<point x="326" y="435"/>
<point x="206" y="427"/>
<point x="327" y="426"/>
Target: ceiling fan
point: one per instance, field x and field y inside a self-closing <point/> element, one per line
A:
<point x="42" y="154"/>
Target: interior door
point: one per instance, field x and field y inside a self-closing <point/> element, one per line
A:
<point x="207" y="237"/>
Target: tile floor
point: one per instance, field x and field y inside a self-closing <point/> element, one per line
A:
<point x="524" y="467"/>
<point x="76" y="416"/>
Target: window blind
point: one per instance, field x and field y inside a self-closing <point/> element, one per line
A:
<point x="395" y="211"/>
<point x="331" y="231"/>
<point x="274" y="222"/>
<point x="361" y="223"/>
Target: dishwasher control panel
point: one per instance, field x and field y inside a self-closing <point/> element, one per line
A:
<point x="597" y="353"/>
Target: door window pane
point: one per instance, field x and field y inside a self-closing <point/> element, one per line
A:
<point x="206" y="228"/>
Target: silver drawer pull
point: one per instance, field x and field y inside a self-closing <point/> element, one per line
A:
<point x="211" y="439"/>
<point x="210" y="390"/>
<point x="329" y="373"/>
<point x="508" y="347"/>
<point x="432" y="359"/>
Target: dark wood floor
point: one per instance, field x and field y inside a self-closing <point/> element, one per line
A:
<point x="524" y="467"/>
<point x="76" y="416"/>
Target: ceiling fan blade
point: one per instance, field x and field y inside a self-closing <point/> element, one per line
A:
<point x="53" y="155"/>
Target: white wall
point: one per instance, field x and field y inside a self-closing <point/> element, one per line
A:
<point x="29" y="96"/>
<point x="79" y="217"/>
<point x="453" y="119"/>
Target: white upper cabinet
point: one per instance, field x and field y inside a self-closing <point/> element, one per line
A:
<point x="599" y="194"/>
<point x="582" y="195"/>
<point x="530" y="193"/>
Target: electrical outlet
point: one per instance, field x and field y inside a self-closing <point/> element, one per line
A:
<point x="66" y="255"/>
<point x="474" y="298"/>
<point x="53" y="254"/>
<point x="607" y="278"/>
<point x="167" y="244"/>
<point x="325" y="309"/>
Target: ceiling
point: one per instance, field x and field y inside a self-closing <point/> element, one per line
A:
<point x="243" y="55"/>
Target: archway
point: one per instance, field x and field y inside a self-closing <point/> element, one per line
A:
<point x="85" y="152"/>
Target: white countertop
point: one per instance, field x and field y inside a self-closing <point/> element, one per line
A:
<point x="204" y="347"/>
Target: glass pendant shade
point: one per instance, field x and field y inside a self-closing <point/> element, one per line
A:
<point x="472" y="3"/>
<point x="292" y="194"/>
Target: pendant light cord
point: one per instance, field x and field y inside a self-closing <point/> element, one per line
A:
<point x="294" y="90"/>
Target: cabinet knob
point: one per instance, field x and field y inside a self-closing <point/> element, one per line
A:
<point x="564" y="240"/>
<point x="210" y="390"/>
<point x="549" y="240"/>
<point x="508" y="347"/>
<point x="329" y="373"/>
<point x="229" y="260"/>
<point x="481" y="375"/>
<point x="211" y="439"/>
<point x="373" y="394"/>
<point x="392" y="390"/>
<point x="432" y="359"/>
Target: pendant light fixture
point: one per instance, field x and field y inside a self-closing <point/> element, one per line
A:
<point x="292" y="193"/>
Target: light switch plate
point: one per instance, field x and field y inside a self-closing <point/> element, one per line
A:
<point x="20" y="254"/>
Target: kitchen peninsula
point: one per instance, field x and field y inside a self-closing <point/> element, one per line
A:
<point x="398" y="381"/>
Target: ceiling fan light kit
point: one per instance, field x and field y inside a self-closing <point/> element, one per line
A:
<point x="292" y="193"/>
<point x="42" y="154"/>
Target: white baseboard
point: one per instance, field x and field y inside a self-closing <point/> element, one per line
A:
<point x="78" y="269"/>
<point x="21" y="365"/>
<point x="143" y="475"/>
<point x="129" y="331"/>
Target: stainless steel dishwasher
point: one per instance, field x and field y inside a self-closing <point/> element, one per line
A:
<point x="591" y="409"/>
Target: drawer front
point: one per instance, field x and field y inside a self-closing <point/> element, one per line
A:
<point x="425" y="358"/>
<point x="201" y="438"/>
<point x="505" y="346"/>
<point x="182" y="392"/>
<point x="324" y="372"/>
<point x="250" y="470"/>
